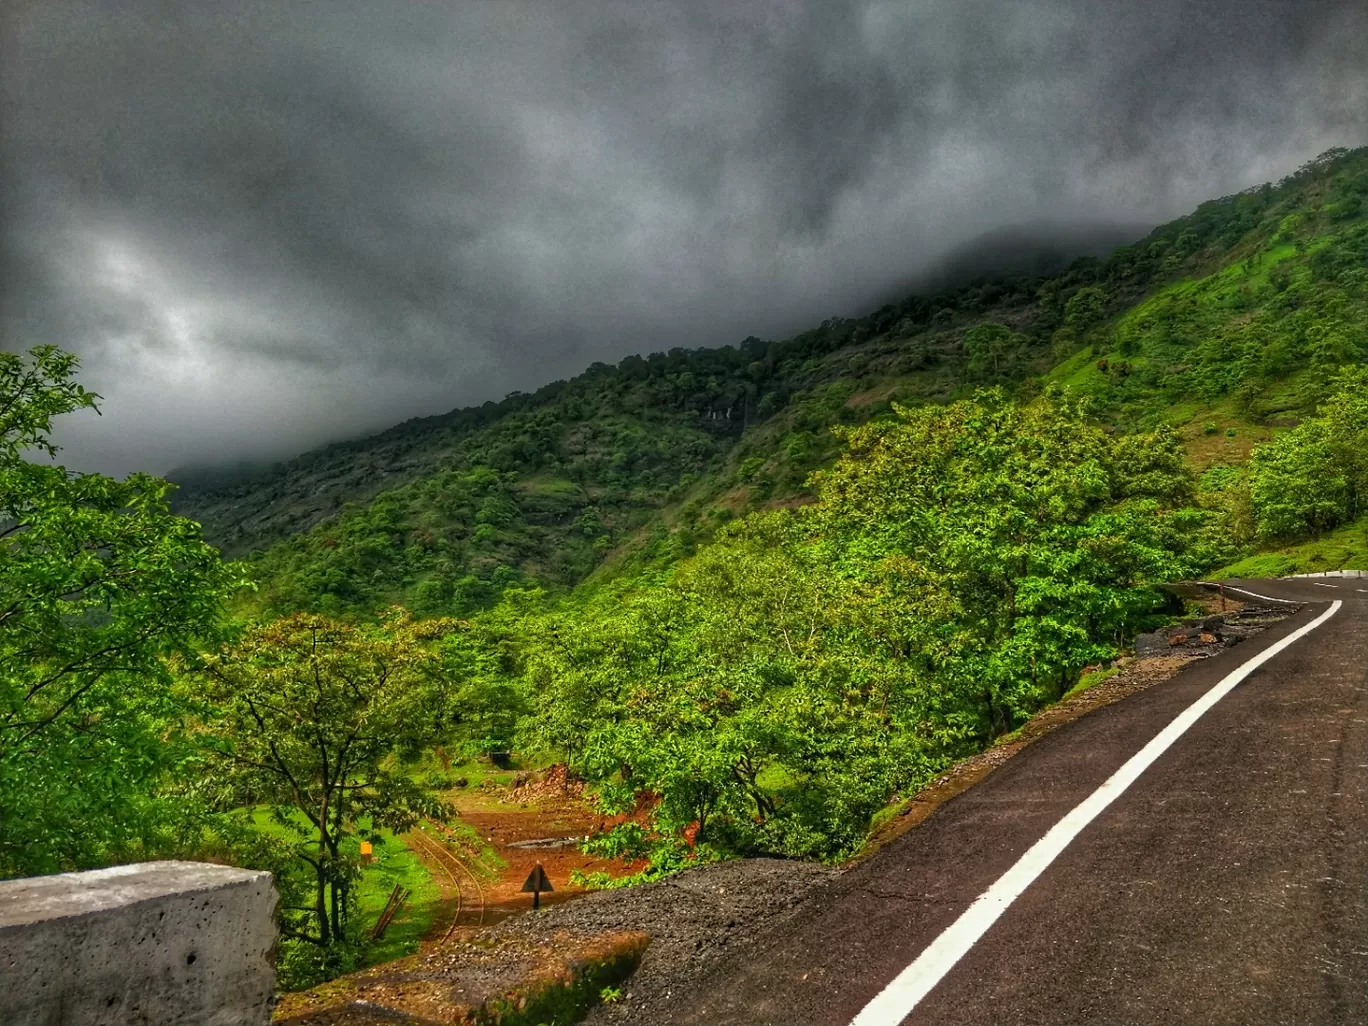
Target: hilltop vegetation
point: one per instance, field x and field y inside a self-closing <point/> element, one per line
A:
<point x="1225" y="324"/>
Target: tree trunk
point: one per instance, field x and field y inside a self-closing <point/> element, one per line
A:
<point x="336" y="908"/>
<point x="321" y="899"/>
<point x="338" y="889"/>
<point x="325" y="870"/>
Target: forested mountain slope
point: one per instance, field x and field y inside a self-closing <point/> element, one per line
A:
<point x="1226" y="323"/>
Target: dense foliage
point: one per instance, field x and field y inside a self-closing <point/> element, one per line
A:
<point x="1315" y="477"/>
<point x="98" y="582"/>
<point x="959" y="568"/>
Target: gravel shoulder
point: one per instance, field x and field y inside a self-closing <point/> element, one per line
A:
<point x="694" y="919"/>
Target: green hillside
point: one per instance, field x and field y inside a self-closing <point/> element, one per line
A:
<point x="1227" y="324"/>
<point x="776" y="586"/>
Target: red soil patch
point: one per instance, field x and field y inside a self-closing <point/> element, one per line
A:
<point x="549" y="812"/>
<point x="456" y="968"/>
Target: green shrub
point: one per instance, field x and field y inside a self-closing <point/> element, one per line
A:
<point x="1315" y="476"/>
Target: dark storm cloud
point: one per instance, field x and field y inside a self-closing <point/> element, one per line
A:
<point x="266" y="224"/>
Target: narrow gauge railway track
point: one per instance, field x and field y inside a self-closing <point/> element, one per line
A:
<point x="469" y="851"/>
<point x="446" y="859"/>
<point x="434" y="851"/>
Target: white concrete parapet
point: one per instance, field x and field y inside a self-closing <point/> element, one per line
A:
<point x="1357" y="574"/>
<point x="152" y="944"/>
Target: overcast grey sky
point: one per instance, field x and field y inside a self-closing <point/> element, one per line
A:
<point x="264" y="225"/>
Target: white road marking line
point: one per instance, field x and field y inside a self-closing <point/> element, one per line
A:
<point x="1253" y="594"/>
<point x="896" y="1001"/>
<point x="1319" y="585"/>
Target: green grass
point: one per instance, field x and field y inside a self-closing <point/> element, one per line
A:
<point x="430" y="774"/>
<point x="393" y="864"/>
<point x="1089" y="680"/>
<point x="1345" y="548"/>
<point x="1077" y="371"/>
<point x="884" y="815"/>
<point x="1184" y="413"/>
<point x="477" y="771"/>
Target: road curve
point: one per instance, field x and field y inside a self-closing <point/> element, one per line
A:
<point x="1228" y="883"/>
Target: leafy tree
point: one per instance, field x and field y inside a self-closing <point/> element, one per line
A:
<point x="1085" y="308"/>
<point x="1297" y="485"/>
<point x="478" y="662"/>
<point x="1315" y="476"/>
<point x="991" y="349"/>
<point x="738" y="691"/>
<point x="314" y="718"/>
<point x="1032" y="532"/>
<point x="98" y="583"/>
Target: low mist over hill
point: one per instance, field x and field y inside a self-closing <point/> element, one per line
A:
<point x="1209" y="319"/>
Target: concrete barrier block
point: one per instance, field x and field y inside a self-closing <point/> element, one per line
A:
<point x="152" y="944"/>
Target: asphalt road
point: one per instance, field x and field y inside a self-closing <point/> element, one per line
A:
<point x="1228" y="883"/>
